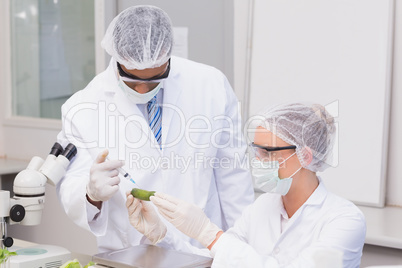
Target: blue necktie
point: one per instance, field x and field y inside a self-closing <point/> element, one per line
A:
<point x="155" y="119"/>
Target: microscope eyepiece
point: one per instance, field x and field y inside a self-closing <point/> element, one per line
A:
<point x="70" y="151"/>
<point x="56" y="149"/>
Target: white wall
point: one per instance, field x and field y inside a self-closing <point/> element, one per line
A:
<point x="4" y="26"/>
<point x="2" y="140"/>
<point x="394" y="182"/>
<point x="372" y="255"/>
<point x="240" y="46"/>
<point x="394" y="170"/>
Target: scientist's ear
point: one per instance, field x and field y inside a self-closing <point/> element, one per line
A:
<point x="307" y="155"/>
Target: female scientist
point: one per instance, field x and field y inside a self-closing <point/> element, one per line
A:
<point x="296" y="217"/>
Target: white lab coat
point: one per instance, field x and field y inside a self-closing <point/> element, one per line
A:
<point x="324" y="221"/>
<point x="200" y="125"/>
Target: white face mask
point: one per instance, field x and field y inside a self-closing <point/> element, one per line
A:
<point x="266" y="177"/>
<point x="136" y="97"/>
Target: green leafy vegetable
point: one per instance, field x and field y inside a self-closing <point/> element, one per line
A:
<point x="76" y="264"/>
<point x="5" y="254"/>
<point x="89" y="264"/>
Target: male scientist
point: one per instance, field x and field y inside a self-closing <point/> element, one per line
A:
<point x="171" y="123"/>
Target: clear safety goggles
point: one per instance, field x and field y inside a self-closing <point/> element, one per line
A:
<point x="132" y="78"/>
<point x="267" y="153"/>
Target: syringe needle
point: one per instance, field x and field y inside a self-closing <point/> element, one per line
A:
<point x="126" y="175"/>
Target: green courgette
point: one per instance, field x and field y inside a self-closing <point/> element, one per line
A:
<point x="142" y="194"/>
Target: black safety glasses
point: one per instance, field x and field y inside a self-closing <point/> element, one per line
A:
<point x="132" y="78"/>
<point x="272" y="149"/>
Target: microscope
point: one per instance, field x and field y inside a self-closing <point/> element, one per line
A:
<point x="27" y="204"/>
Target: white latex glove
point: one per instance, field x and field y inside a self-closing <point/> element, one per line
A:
<point x="104" y="178"/>
<point x="187" y="218"/>
<point x="144" y="218"/>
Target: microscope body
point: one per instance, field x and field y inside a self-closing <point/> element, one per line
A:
<point x="28" y="202"/>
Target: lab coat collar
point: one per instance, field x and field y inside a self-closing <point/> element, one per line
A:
<point x="111" y="83"/>
<point x="318" y="196"/>
<point x="282" y="210"/>
<point x="124" y="106"/>
<point x="172" y="90"/>
<point x="316" y="199"/>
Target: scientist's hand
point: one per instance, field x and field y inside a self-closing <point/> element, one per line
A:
<point x="187" y="218"/>
<point x="144" y="218"/>
<point x="104" y="178"/>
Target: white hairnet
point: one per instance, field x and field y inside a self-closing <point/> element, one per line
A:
<point x="308" y="127"/>
<point x="140" y="37"/>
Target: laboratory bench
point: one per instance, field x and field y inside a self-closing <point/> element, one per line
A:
<point x="383" y="244"/>
<point x="82" y="258"/>
<point x="383" y="226"/>
<point x="137" y="256"/>
<point x="372" y="255"/>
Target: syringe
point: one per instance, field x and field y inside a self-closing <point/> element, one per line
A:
<point x="126" y="175"/>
